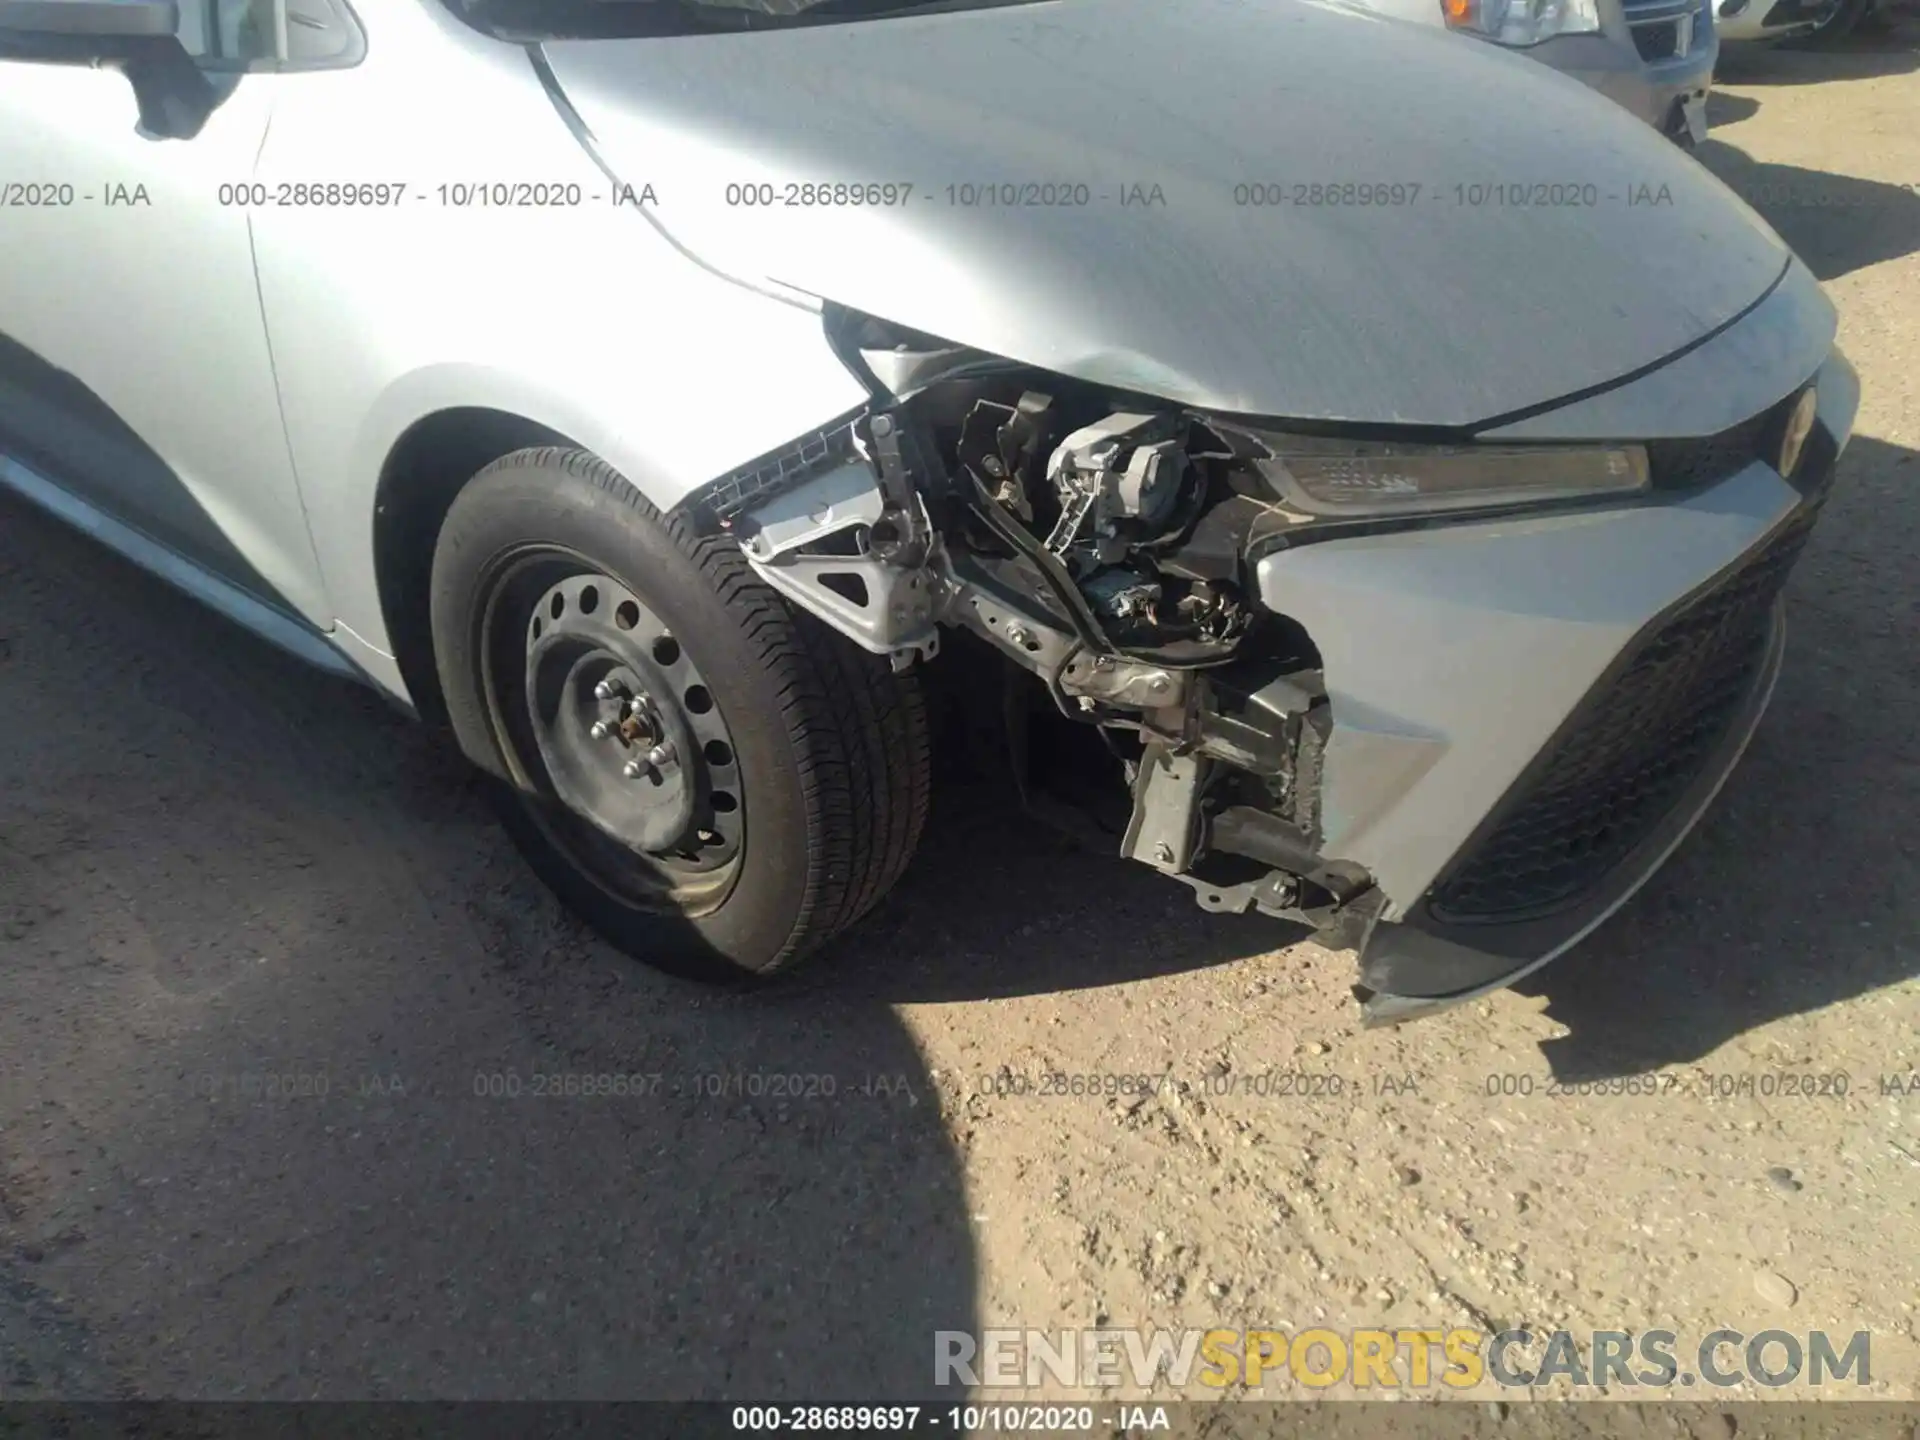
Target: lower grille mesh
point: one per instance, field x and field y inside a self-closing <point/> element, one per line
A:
<point x="1641" y="742"/>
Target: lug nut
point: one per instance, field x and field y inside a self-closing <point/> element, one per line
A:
<point x="605" y="690"/>
<point x="600" y="730"/>
<point x="661" y="754"/>
<point x="634" y="769"/>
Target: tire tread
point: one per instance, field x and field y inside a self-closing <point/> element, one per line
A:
<point x="859" y="731"/>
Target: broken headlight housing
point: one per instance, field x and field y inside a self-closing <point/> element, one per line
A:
<point x="1333" y="478"/>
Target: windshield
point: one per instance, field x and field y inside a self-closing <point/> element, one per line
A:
<point x="535" y="20"/>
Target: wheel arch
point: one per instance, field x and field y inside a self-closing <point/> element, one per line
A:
<point x="430" y="431"/>
<point x="427" y="467"/>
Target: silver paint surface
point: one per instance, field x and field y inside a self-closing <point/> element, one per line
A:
<point x="1451" y="307"/>
<point x="1453" y="655"/>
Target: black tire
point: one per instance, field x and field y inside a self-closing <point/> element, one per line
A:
<point x="830" y="746"/>
<point x="1836" y="27"/>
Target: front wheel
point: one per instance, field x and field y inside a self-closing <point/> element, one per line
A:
<point x="717" y="784"/>
<point x="1836" y="25"/>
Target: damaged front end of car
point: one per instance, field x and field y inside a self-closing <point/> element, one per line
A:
<point x="1152" y="569"/>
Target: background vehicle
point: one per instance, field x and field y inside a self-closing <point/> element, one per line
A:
<point x="655" y="445"/>
<point x="1655" y="57"/>
<point x="1822" y="21"/>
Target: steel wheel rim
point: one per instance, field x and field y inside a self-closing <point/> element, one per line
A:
<point x="568" y="648"/>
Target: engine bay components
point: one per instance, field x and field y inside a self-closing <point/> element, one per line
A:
<point x="1116" y="480"/>
<point x="1003" y="442"/>
<point x="838" y="545"/>
<point x="1111" y="500"/>
<point x="1102" y="548"/>
<point x="1129" y="684"/>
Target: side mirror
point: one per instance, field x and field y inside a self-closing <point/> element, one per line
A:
<point x="136" y="37"/>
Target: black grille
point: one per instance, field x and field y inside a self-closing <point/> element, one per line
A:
<point x="1687" y="464"/>
<point x="1639" y="744"/>
<point x="1657" y="42"/>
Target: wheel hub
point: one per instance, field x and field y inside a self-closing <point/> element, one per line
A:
<point x="627" y="728"/>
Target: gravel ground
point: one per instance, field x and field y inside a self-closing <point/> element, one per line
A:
<point x="217" y="867"/>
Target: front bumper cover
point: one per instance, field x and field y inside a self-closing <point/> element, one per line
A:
<point x="1415" y="968"/>
<point x="1501" y="641"/>
<point x="1610" y="63"/>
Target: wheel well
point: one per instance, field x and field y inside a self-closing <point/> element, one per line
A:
<point x="426" y="469"/>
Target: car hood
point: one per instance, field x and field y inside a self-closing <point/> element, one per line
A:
<point x="1448" y="233"/>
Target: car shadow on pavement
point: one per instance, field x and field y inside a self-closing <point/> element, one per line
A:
<point x="309" y="1090"/>
<point x="1019" y="887"/>
<point x="998" y="904"/>
<point x="1801" y="888"/>
<point x="1835" y="223"/>
<point x="1726" y="108"/>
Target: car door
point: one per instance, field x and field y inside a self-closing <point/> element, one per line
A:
<point x="135" y="372"/>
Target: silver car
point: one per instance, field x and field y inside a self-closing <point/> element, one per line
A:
<point x="1655" y="57"/>
<point x="1380" y="462"/>
<point x="1815" y="21"/>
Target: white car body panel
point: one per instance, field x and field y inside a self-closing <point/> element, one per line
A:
<point x="155" y="307"/>
<point x="1479" y="679"/>
<point x="1328" y="311"/>
<point x="551" y="314"/>
<point x="1715" y="385"/>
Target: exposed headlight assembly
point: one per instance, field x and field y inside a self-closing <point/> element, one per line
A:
<point x="1522" y="22"/>
<point x="1333" y="478"/>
